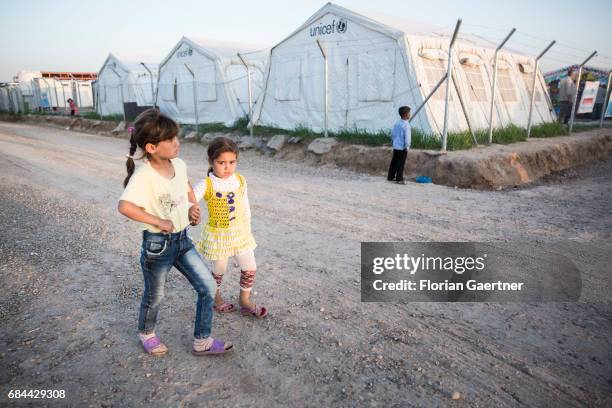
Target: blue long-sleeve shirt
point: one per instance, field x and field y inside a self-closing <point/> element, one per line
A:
<point x="401" y="135"/>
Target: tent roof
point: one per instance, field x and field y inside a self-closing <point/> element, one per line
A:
<point x="219" y="50"/>
<point x="224" y="48"/>
<point x="129" y="66"/>
<point x="397" y="27"/>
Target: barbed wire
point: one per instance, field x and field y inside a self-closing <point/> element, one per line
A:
<point x="558" y="43"/>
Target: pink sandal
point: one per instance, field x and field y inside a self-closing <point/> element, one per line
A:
<point x="224" y="308"/>
<point x="256" y="311"/>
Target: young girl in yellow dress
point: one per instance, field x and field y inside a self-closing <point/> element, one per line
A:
<point x="227" y="233"/>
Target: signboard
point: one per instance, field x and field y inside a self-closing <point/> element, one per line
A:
<point x="609" y="110"/>
<point x="589" y="94"/>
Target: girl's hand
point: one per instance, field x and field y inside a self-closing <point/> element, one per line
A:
<point x="194" y="214"/>
<point x="165" y="226"/>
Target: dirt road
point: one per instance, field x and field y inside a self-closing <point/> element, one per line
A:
<point x="71" y="286"/>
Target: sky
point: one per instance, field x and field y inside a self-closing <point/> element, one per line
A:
<point x="67" y="35"/>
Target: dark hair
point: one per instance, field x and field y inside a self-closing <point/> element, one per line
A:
<point x="570" y="71"/>
<point x="403" y="110"/>
<point x="221" y="145"/>
<point x="151" y="126"/>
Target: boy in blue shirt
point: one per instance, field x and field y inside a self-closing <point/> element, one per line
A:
<point x="400" y="136"/>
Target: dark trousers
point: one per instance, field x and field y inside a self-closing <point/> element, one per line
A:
<point x="565" y="111"/>
<point x="396" y="168"/>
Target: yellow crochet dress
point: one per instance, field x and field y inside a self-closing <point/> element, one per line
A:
<point x="228" y="231"/>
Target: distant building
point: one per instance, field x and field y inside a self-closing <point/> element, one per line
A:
<point x="50" y="90"/>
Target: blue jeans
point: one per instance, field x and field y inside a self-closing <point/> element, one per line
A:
<point x="160" y="252"/>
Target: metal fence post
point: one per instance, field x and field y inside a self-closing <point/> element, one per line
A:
<point x="575" y="98"/>
<point x="248" y="69"/>
<point x="63" y="95"/>
<point x="121" y="88"/>
<point x="78" y="89"/>
<point x="195" y="96"/>
<point x="533" y="82"/>
<point x="604" y="105"/>
<point x="55" y="92"/>
<point x="448" y="80"/>
<point x="155" y="105"/>
<point x="433" y="91"/>
<point x="8" y="93"/>
<point x="326" y="83"/>
<point x="464" y="109"/>
<point x="152" y="86"/>
<point x="494" y="84"/>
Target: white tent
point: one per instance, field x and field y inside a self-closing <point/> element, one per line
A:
<point x="374" y="67"/>
<point x="25" y="79"/>
<point x="54" y="93"/>
<point x="122" y="82"/>
<point x="209" y="76"/>
<point x="11" y="99"/>
<point x="42" y="91"/>
<point x="6" y="97"/>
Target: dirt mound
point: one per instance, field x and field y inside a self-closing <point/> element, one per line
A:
<point x="502" y="166"/>
<point x="485" y="167"/>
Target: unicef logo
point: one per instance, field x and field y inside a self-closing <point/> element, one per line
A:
<point x="185" y="53"/>
<point x="335" y="27"/>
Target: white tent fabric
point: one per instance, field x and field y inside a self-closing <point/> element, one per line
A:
<point x="218" y="86"/>
<point x="25" y="81"/>
<point x="374" y="67"/>
<point x="5" y="100"/>
<point x="120" y="82"/>
<point x="11" y="98"/>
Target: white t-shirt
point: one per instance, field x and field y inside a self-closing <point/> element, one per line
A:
<point x="222" y="184"/>
<point x="159" y="196"/>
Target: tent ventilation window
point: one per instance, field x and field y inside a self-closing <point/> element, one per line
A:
<point x="434" y="61"/>
<point x="527" y="74"/>
<point x="471" y="67"/>
<point x="506" y="88"/>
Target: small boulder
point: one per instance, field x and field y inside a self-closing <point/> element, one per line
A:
<point x="247" y="142"/>
<point x="191" y="136"/>
<point x="322" y="145"/>
<point x="277" y="142"/>
<point x="208" y="137"/>
<point x="120" y="128"/>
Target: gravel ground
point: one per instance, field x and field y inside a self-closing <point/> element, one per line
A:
<point x="71" y="285"/>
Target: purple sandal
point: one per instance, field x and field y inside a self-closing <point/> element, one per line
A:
<point x="256" y="311"/>
<point x="151" y="344"/>
<point x="218" y="347"/>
